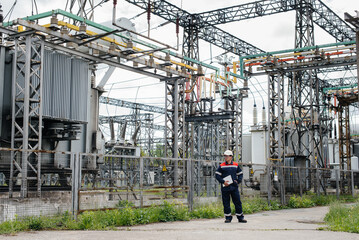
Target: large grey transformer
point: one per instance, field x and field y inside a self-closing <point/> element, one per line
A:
<point x="69" y="121"/>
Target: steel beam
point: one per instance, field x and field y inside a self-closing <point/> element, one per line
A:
<point x="206" y="32"/>
<point x="323" y="16"/>
<point x="132" y="105"/>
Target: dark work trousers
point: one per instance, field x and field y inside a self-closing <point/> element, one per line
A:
<point x="234" y="194"/>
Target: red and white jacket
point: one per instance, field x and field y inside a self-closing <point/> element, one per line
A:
<point x="232" y="169"/>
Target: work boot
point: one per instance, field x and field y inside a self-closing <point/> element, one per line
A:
<point x="242" y="220"/>
<point x="228" y="220"/>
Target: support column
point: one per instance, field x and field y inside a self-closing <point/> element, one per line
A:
<point x="344" y="149"/>
<point x="174" y="119"/>
<point x="26" y="133"/>
<point x="276" y="129"/>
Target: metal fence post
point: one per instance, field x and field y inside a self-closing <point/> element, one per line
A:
<point x="337" y="182"/>
<point x="141" y="181"/>
<point x="190" y="184"/>
<point x="300" y="182"/>
<point x="76" y="183"/>
<point x="269" y="185"/>
<point x="282" y="185"/>
<point x="317" y="181"/>
<point x="352" y="182"/>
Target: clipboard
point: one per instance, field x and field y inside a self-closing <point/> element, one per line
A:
<point x="229" y="179"/>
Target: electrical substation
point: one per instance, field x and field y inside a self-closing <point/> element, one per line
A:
<point x="60" y="151"/>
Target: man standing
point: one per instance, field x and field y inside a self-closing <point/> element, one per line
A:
<point x="229" y="174"/>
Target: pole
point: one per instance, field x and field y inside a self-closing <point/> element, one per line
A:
<point x="141" y="182"/>
<point x="337" y="182"/>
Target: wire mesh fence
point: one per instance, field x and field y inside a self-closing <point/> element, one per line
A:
<point x="76" y="182"/>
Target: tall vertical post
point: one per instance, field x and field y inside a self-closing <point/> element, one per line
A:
<point x="174" y="119"/>
<point x="26" y="131"/>
<point x="76" y="183"/>
<point x="276" y="128"/>
<point x="142" y="172"/>
<point x="344" y="148"/>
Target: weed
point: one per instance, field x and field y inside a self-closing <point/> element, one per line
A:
<point x="339" y="218"/>
<point x="343" y="218"/>
<point x="124" y="203"/>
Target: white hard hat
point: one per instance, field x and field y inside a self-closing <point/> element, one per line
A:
<point x="228" y="153"/>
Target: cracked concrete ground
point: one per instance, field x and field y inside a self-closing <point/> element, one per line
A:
<point x="298" y="224"/>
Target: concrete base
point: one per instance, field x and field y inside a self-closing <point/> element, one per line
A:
<point x="50" y="203"/>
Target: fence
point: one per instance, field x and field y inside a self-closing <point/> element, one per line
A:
<point x="76" y="182"/>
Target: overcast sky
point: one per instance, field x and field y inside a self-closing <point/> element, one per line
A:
<point x="275" y="32"/>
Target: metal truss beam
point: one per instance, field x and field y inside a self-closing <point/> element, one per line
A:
<point x="323" y="16"/>
<point x="125" y="118"/>
<point x="304" y="66"/>
<point x="154" y="141"/>
<point x="337" y="69"/>
<point x="345" y="81"/>
<point x="132" y="105"/>
<point x="206" y="32"/>
<point x="246" y="11"/>
<point x="330" y="22"/>
<point x="130" y="117"/>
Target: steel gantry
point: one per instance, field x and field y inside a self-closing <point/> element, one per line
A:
<point x="131" y="105"/>
<point x="146" y="123"/>
<point x="304" y="95"/>
<point x="27" y="108"/>
<point x="201" y="141"/>
<point x="322" y="15"/>
<point x="345" y="153"/>
<point x="174" y="120"/>
<point x="208" y="32"/>
<point x="26" y="132"/>
<point x="276" y="128"/>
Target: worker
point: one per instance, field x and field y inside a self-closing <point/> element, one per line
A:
<point x="229" y="175"/>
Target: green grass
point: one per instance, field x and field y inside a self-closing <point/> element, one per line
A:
<point x="343" y="218"/>
<point x="126" y="215"/>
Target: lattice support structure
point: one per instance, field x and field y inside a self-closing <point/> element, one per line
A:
<point x="276" y="117"/>
<point x="276" y="127"/>
<point x="307" y="107"/>
<point x="149" y="135"/>
<point x="300" y="94"/>
<point x="344" y="148"/>
<point x="26" y="133"/>
<point x="174" y="119"/>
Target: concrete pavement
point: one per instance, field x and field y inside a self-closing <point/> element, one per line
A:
<point x="298" y="224"/>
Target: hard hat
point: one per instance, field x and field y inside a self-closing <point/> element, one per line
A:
<point x="228" y="153"/>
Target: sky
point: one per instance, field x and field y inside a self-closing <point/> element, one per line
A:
<point x="275" y="32"/>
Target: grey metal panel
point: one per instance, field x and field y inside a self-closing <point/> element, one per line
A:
<point x="65" y="87"/>
<point x="2" y="77"/>
<point x="61" y="86"/>
<point x="47" y="84"/>
<point x="6" y="99"/>
<point x="79" y="89"/>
